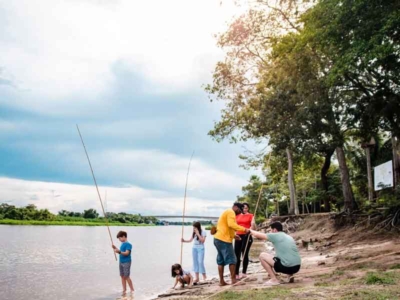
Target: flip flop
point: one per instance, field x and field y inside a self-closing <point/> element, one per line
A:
<point x="272" y="283"/>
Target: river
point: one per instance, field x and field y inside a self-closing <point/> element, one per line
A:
<point x="74" y="262"/>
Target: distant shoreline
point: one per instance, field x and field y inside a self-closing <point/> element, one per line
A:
<point x="66" y="223"/>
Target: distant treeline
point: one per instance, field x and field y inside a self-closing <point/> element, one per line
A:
<point x="32" y="213"/>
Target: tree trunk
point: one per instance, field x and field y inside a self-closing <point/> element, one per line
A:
<point x="369" y="173"/>
<point x="294" y="208"/>
<point x="324" y="179"/>
<point x="396" y="160"/>
<point x="345" y="178"/>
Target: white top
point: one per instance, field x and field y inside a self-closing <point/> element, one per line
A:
<point x="196" y="241"/>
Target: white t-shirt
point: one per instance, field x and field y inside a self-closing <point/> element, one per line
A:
<point x="196" y="241"/>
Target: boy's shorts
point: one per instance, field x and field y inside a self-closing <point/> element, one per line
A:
<point x="226" y="255"/>
<point x="125" y="269"/>
<point x="279" y="268"/>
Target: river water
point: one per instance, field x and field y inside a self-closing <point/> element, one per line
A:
<point x="73" y="262"/>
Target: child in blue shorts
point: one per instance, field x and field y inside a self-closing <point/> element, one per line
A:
<point x="124" y="261"/>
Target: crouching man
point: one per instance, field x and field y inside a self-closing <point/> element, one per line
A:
<point x="287" y="258"/>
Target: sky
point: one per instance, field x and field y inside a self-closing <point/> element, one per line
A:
<point x="130" y="73"/>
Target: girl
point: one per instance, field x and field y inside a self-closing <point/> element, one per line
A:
<point x="246" y="219"/>
<point x="181" y="276"/>
<point x="198" y="238"/>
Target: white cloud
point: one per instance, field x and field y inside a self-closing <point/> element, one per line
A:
<point x="150" y="167"/>
<point x="57" y="196"/>
<point x="66" y="49"/>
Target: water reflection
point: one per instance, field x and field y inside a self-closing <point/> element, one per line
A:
<point x="57" y="262"/>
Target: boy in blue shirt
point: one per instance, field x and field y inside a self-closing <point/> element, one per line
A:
<point x="124" y="261"/>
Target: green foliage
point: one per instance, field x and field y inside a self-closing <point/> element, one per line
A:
<point x="379" y="278"/>
<point x="313" y="78"/>
<point x="9" y="214"/>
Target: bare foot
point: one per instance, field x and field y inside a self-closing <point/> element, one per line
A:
<point x="223" y="283"/>
<point x="204" y="277"/>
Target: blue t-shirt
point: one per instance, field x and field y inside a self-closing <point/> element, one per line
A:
<point x="124" y="247"/>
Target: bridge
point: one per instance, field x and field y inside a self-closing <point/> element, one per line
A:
<point x="186" y="217"/>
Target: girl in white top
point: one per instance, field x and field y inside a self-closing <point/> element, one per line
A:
<point x="198" y="238"/>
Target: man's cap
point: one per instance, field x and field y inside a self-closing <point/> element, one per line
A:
<point x="239" y="205"/>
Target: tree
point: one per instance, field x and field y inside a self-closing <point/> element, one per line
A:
<point x="90" y="214"/>
<point x="362" y="41"/>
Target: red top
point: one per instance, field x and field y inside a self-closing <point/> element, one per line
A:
<point x="245" y="221"/>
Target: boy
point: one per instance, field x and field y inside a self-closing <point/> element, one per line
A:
<point x="287" y="259"/>
<point x="124" y="261"/>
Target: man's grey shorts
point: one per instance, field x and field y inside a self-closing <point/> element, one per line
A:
<point x="125" y="269"/>
<point x="226" y="255"/>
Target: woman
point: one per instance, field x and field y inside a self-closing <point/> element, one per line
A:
<point x="246" y="219"/>
<point x="198" y="238"/>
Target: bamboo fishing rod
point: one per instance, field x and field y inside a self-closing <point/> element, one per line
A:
<point x="97" y="188"/>
<point x="184" y="207"/>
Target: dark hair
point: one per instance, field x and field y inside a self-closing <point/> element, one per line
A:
<point x="122" y="234"/>
<point x="198" y="226"/>
<point x="245" y="203"/>
<point x="239" y="205"/>
<point x="174" y="268"/>
<point x="277" y="225"/>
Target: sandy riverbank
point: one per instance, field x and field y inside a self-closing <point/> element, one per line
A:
<point x="333" y="259"/>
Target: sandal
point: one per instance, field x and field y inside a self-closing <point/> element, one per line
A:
<point x="272" y="283"/>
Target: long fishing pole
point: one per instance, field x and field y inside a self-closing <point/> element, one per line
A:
<point x="255" y="211"/>
<point x="184" y="207"/>
<point x="97" y="188"/>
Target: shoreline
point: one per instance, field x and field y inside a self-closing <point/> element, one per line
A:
<point x="332" y="258"/>
<point x="67" y="223"/>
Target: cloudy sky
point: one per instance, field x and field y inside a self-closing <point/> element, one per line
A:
<point x="129" y="72"/>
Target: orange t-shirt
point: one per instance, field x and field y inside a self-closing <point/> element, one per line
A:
<point x="245" y="221"/>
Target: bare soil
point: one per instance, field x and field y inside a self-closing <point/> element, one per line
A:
<point x="344" y="263"/>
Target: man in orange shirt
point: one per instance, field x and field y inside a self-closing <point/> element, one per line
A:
<point x="223" y="238"/>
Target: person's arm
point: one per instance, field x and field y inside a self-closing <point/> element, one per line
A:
<point x="125" y="253"/>
<point x="201" y="238"/>
<point x="259" y="235"/>
<point x="176" y="282"/>
<point x="127" y="250"/>
<point x="253" y="223"/>
<point x="231" y="218"/>
<point x="187" y="241"/>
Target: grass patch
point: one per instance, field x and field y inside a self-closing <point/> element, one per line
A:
<point x="379" y="278"/>
<point x="395" y="267"/>
<point x="264" y="294"/>
<point x="338" y="272"/>
<point x="322" y="284"/>
<point x="371" y="295"/>
<point x="65" y="223"/>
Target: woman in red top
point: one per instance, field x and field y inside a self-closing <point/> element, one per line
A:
<point x="246" y="219"/>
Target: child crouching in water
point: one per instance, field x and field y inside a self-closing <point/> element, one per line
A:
<point x="124" y="261"/>
<point x="181" y="276"/>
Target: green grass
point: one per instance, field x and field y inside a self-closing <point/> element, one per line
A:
<point x="379" y="278"/>
<point x="66" y="223"/>
<point x="264" y="294"/>
<point x="338" y="272"/>
<point x="372" y="295"/>
<point x="322" y="284"/>
<point x="394" y="267"/>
